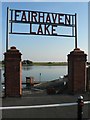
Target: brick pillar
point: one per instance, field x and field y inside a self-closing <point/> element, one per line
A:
<point x="88" y="78"/>
<point x="13" y="79"/>
<point x="77" y="71"/>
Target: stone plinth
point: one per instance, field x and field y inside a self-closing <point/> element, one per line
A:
<point x="77" y="71"/>
<point x="13" y="71"/>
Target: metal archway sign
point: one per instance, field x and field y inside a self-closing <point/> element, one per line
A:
<point x="41" y="23"/>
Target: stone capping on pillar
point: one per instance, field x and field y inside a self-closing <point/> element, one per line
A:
<point x="12" y="51"/>
<point x="77" y="51"/>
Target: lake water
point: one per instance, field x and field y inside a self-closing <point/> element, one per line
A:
<point x="42" y="73"/>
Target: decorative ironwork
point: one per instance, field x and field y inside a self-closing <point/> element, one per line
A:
<point x="47" y="23"/>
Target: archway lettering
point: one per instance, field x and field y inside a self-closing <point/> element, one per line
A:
<point x="41" y="23"/>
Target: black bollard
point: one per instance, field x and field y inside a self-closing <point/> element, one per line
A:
<point x="80" y="105"/>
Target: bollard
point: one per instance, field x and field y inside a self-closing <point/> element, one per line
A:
<point x="80" y="105"/>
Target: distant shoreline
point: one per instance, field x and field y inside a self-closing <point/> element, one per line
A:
<point x="47" y="64"/>
<point x="43" y="64"/>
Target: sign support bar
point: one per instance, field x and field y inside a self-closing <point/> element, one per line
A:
<point x="7" y="29"/>
<point x="75" y="30"/>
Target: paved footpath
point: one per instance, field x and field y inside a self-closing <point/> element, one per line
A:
<point x="48" y="112"/>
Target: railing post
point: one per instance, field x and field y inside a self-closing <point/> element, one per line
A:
<point x="80" y="105"/>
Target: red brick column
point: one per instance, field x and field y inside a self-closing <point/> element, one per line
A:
<point x="88" y="78"/>
<point x="13" y="73"/>
<point x="77" y="71"/>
